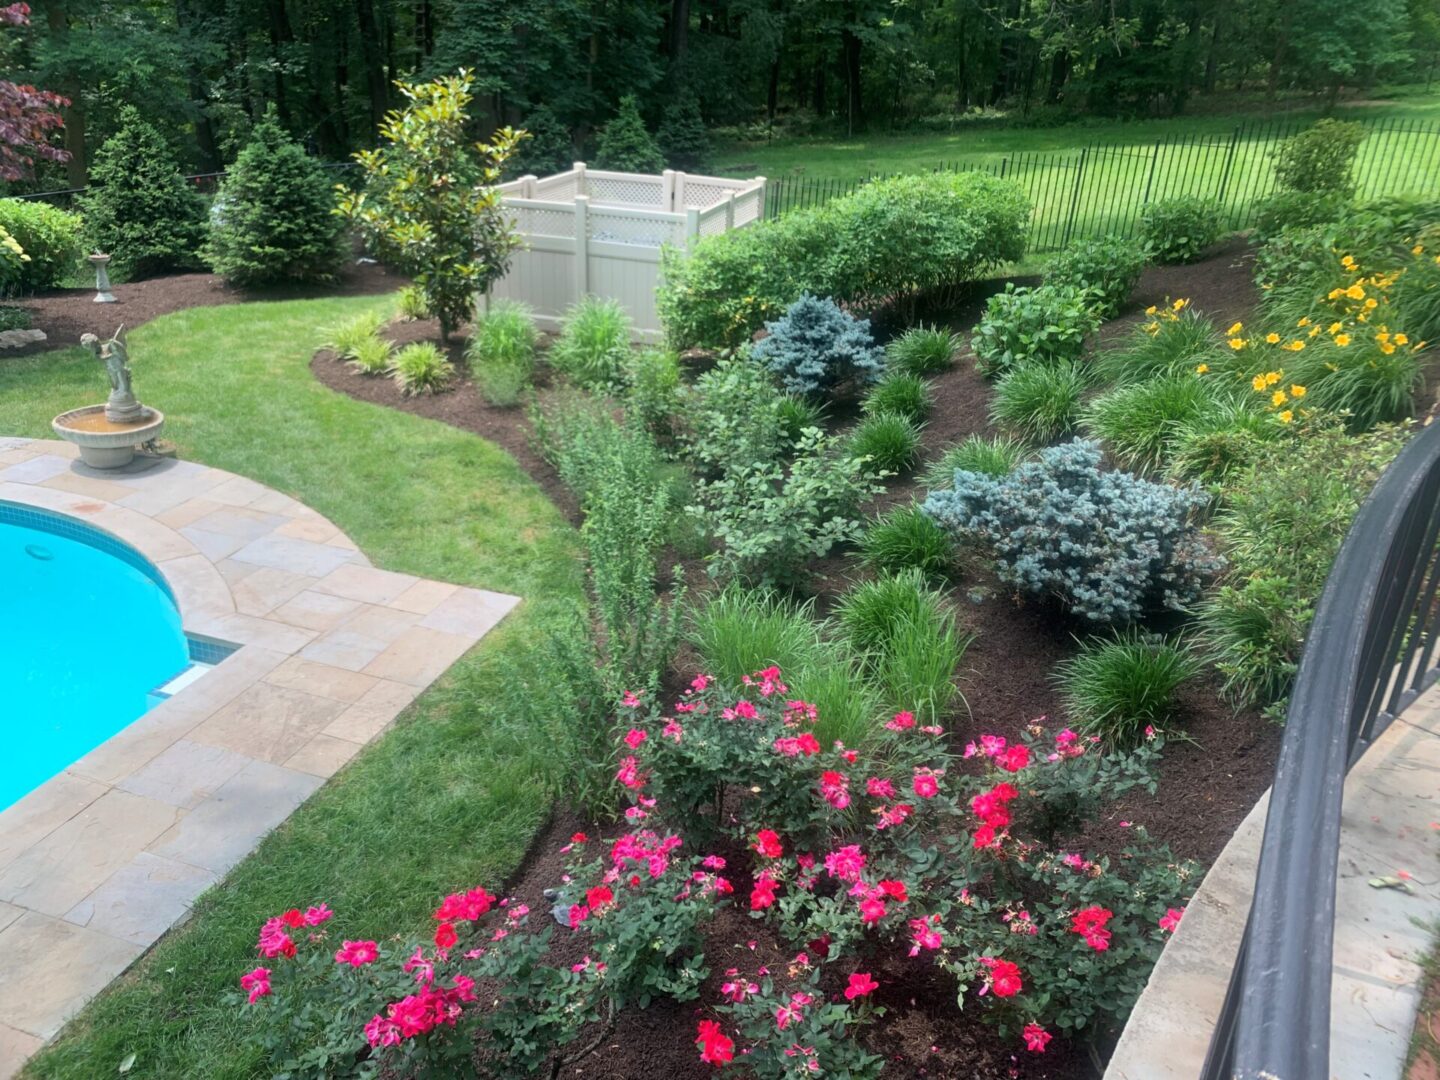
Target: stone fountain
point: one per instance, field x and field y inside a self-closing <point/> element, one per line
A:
<point x="108" y="434"/>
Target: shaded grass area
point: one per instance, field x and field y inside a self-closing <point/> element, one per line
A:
<point x="453" y="794"/>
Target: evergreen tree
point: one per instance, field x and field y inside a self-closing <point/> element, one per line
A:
<point x="274" y="217"/>
<point x="624" y="145"/>
<point x="548" y="150"/>
<point x="139" y="208"/>
<point x="682" y="135"/>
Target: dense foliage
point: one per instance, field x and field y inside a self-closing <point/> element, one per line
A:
<point x="1047" y="323"/>
<point x="1108" y="269"/>
<point x="49" y="238"/>
<point x="1181" y="230"/>
<point x="625" y="145"/>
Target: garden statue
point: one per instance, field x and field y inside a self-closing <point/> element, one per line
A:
<point x="122" y="408"/>
<point x="103" y="295"/>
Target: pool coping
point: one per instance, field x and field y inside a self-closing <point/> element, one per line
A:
<point x="103" y="858"/>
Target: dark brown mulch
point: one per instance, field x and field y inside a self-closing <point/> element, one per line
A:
<point x="65" y="314"/>
<point x="1206" y="785"/>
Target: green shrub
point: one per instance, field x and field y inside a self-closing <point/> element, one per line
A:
<point x="994" y="456"/>
<point x="906" y="539"/>
<point x="890" y="442"/>
<point x="682" y="135"/>
<point x="421" y="368"/>
<point x="547" y="149"/>
<point x="501" y="385"/>
<point x="1416" y="295"/>
<point x="1038" y="400"/>
<point x="907" y="395"/>
<point x="1109" y="545"/>
<point x="1369" y="381"/>
<point x="1047" y="324"/>
<point x="138" y="207"/>
<point x="1321" y="159"/>
<point x="1140" y="423"/>
<point x="922" y="350"/>
<point x="346" y="336"/>
<point x="1296" y="210"/>
<point x="815" y="347"/>
<point x="1181" y="230"/>
<point x="739" y="631"/>
<point x="889" y="240"/>
<point x="501" y="352"/>
<point x="1167" y="344"/>
<point x="372" y="356"/>
<point x="735" y="417"/>
<point x="798" y="413"/>
<point x="1119" y="687"/>
<point x="871" y="612"/>
<point x="652" y="389"/>
<point x="1107" y="269"/>
<point x="594" y="344"/>
<point x="13" y="318"/>
<point x="1220" y="441"/>
<point x="410" y="302"/>
<point x="13" y="261"/>
<point x="50" y="238"/>
<point x="623" y="143"/>
<point x="273" y="219"/>
<point x="1281" y="525"/>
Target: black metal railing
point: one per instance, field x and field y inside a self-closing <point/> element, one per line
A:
<point x="1371" y="651"/>
<point x="205" y="183"/>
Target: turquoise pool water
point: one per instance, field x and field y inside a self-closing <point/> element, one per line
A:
<point x="88" y="630"/>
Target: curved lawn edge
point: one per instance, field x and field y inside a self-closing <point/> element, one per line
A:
<point x="453" y="795"/>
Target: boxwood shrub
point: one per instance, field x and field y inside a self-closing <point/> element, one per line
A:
<point x="48" y="235"/>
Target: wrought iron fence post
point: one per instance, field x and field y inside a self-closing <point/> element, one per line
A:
<point x="1150" y="180"/>
<point x="1074" y="198"/>
<point x="1229" y="163"/>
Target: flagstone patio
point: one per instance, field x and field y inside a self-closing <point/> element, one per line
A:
<point x="98" y="862"/>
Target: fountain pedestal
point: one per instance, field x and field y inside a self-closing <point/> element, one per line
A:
<point x="104" y="443"/>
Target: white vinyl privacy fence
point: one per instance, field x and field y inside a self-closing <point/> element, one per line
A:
<point x="596" y="233"/>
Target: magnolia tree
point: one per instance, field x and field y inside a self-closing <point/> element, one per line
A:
<point x="429" y="202"/>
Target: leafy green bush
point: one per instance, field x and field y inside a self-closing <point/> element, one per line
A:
<point x="1296" y="210"/>
<point x="410" y="302"/>
<point x="889" y="441"/>
<point x="1321" y="159"/>
<point x="891" y="239"/>
<point x="1416" y="295"/>
<point x="1181" y="230"/>
<point x="1140" y="423"/>
<point x="798" y="413"/>
<point x="1119" y="688"/>
<point x="907" y="395"/>
<point x="501" y="352"/>
<point x="274" y="218"/>
<point x="652" y="389"/>
<point x="623" y="143"/>
<point x="994" y="456"/>
<point x="50" y="238"/>
<point x="922" y="350"/>
<point x="1108" y="269"/>
<point x="1281" y="525"/>
<point x="906" y="539"/>
<point x="1109" y="545"/>
<point x="735" y="417"/>
<point x="421" y="368"/>
<point x="13" y="318"/>
<point x="372" y="356"/>
<point x="547" y="149"/>
<point x="138" y="207"/>
<point x="1039" y="400"/>
<point x="1048" y="324"/>
<point x="771" y="520"/>
<point x="1219" y="441"/>
<point x="682" y="135"/>
<point x="817" y="347"/>
<point x="12" y="261"/>
<point x="1168" y="344"/>
<point x="345" y="336"/>
<point x="594" y="344"/>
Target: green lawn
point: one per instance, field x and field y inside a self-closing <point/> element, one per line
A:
<point x="452" y="795"/>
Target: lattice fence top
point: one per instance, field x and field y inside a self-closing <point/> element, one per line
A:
<point x="639" y="191"/>
<point x="637" y="231"/>
<point x="700" y="196"/>
<point x="535" y="222"/>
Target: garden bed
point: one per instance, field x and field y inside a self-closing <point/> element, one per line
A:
<point x="1208" y="780"/>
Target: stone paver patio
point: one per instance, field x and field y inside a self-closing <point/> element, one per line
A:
<point x="99" y="861"/>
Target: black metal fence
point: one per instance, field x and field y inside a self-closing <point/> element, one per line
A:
<point x="205" y="183"/>
<point x="1371" y="651"/>
<point x="1102" y="188"/>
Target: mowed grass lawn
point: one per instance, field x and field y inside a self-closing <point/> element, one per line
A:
<point x="448" y="798"/>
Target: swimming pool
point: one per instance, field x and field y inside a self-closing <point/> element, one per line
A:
<point x="89" y="633"/>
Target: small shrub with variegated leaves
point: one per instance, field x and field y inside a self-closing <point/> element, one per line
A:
<point x="1110" y="546"/>
<point x="421" y="368"/>
<point x="816" y="347"/>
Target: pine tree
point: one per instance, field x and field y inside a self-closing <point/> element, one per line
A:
<point x="682" y="135"/>
<point x="624" y="145"/>
<point x="138" y="207"/>
<point x="274" y="219"/>
<point x="548" y="150"/>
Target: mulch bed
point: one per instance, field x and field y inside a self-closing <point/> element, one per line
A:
<point x="1208" y="782"/>
<point x="65" y="314"/>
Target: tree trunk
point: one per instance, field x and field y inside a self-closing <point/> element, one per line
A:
<point x="280" y="36"/>
<point x="679" y="32"/>
<point x="817" y="95"/>
<point x="854" y="104"/>
<point x="1212" y="57"/>
<point x="370" y="57"/>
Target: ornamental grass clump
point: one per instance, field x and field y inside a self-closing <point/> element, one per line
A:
<point x="993" y="456"/>
<point x="1107" y="269"/>
<point x="593" y="345"/>
<point x="905" y="538"/>
<point x="887" y="442"/>
<point x="923" y="350"/>
<point x="344" y="337"/>
<point x="1174" y="339"/>
<point x="1040" y="401"/>
<point x="907" y="395"/>
<point x="372" y="356"/>
<point x="1141" y="423"/>
<point x="817" y="348"/>
<point x="1047" y="324"/>
<point x="501" y="352"/>
<point x="1124" y="688"/>
<point x="1110" y="546"/>
<point x="1219" y="442"/>
<point x="421" y="369"/>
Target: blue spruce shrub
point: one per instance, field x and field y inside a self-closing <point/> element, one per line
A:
<point x="1109" y="545"/>
<point x="815" y="346"/>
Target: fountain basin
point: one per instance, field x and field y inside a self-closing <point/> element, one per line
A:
<point x="103" y="443"/>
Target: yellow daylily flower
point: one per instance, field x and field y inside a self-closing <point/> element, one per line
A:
<point x="1201" y="369"/>
<point x="1277" y="398"/>
<point x="1258" y="384"/>
<point x="1342" y="340"/>
<point x="1286" y="416"/>
<point x="1296" y="390"/>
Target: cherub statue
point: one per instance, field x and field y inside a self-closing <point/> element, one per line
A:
<point x="122" y="407"/>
